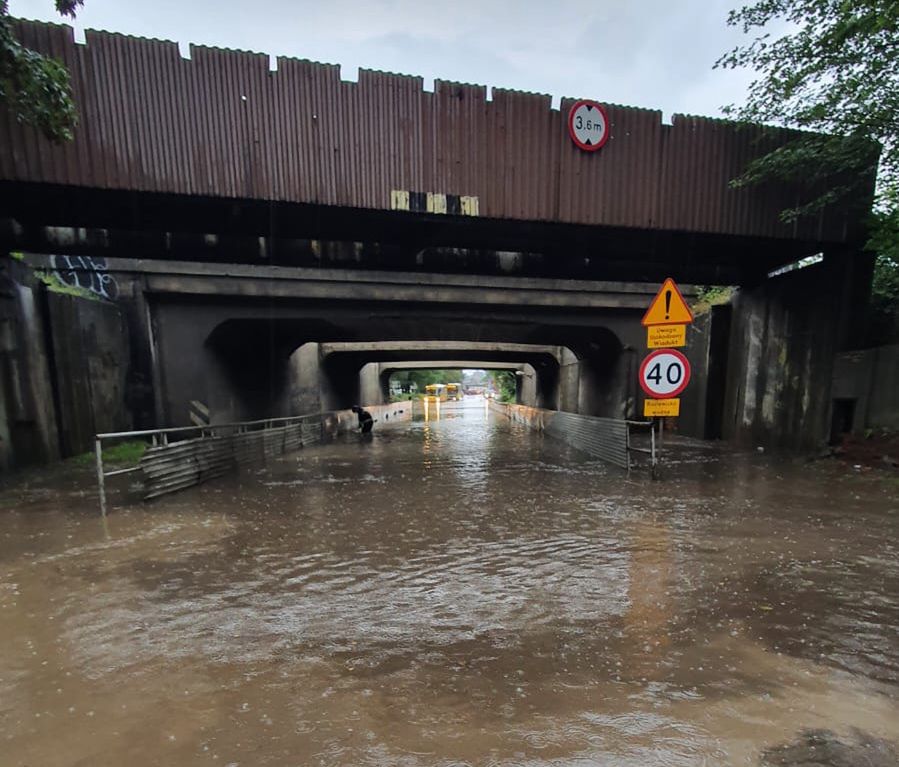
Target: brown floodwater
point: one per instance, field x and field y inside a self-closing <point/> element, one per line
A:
<point x="461" y="592"/>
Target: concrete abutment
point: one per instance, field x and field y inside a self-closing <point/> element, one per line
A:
<point x="174" y="353"/>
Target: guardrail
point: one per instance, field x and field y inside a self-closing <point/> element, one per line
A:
<point x="609" y="439"/>
<point x="183" y="456"/>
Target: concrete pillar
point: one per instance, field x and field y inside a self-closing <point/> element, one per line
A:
<point x="586" y="388"/>
<point x="316" y="384"/>
<point x="527" y="386"/>
<point x="305" y="380"/>
<point x="569" y="380"/>
<point x="783" y="337"/>
<point x="370" y="392"/>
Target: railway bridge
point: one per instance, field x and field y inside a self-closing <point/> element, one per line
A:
<point x="273" y="238"/>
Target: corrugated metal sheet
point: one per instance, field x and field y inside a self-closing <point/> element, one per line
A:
<point x="222" y="124"/>
<point x="179" y="465"/>
<point x="169" y="468"/>
<point x="605" y="438"/>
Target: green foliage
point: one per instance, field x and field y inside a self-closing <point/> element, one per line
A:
<point x="505" y="385"/>
<point x="885" y="300"/>
<point x="127" y="453"/>
<point x="884" y="318"/>
<point x="712" y="295"/>
<point x="36" y="88"/>
<point x="834" y="72"/>
<point x="17" y="255"/>
<point x="56" y="285"/>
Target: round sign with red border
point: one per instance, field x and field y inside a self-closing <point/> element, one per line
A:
<point x="664" y="373"/>
<point x="588" y="125"/>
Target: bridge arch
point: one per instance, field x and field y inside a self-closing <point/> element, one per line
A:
<point x="255" y="365"/>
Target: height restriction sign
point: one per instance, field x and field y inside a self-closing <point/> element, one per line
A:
<point x="588" y="125"/>
<point x="664" y="373"/>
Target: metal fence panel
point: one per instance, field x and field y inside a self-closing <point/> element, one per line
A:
<point x="605" y="438"/>
<point x="187" y="456"/>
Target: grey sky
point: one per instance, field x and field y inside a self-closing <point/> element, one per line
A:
<point x="650" y="53"/>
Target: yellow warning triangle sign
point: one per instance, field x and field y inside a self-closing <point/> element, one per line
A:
<point x="668" y="307"/>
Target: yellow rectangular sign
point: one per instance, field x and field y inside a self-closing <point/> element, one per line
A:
<point x="655" y="408"/>
<point x="666" y="336"/>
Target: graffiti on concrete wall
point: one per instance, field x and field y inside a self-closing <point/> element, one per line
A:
<point x="86" y="273"/>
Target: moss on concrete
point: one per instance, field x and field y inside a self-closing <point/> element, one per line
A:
<point x="56" y="285"/>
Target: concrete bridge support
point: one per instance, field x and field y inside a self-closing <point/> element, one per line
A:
<point x="784" y="336"/>
<point x="236" y="346"/>
<point x="251" y="342"/>
<point x="371" y="386"/>
<point x="305" y="388"/>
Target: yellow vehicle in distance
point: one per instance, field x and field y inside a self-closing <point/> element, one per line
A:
<point x="454" y="392"/>
<point x="436" y="391"/>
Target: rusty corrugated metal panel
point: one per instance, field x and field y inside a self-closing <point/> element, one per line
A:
<point x="457" y="113"/>
<point x="702" y="155"/>
<point x="221" y="124"/>
<point x="526" y="163"/>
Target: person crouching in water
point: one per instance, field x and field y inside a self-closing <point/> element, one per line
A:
<point x="366" y="422"/>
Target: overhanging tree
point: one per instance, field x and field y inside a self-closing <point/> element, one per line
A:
<point x="35" y="87"/>
<point x="833" y="71"/>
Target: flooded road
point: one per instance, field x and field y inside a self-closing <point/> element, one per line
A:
<point x="460" y="592"/>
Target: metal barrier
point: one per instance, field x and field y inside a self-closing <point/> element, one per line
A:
<point x="181" y="457"/>
<point x="609" y="439"/>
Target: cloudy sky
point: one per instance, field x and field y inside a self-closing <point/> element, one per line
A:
<point x="649" y="53"/>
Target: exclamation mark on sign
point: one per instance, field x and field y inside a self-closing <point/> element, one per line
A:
<point x="667" y="303"/>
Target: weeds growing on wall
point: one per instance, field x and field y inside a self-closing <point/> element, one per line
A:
<point x="56" y="285"/>
<point x="712" y="295"/>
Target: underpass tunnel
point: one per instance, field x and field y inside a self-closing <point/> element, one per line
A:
<point x="259" y="367"/>
<point x="375" y="377"/>
<point x="256" y="369"/>
<point x="370" y="364"/>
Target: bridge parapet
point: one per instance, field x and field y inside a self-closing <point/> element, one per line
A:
<point x="222" y="124"/>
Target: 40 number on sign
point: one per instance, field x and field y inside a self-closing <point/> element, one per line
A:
<point x="664" y="373"/>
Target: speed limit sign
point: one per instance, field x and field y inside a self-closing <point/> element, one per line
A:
<point x="664" y="373"/>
